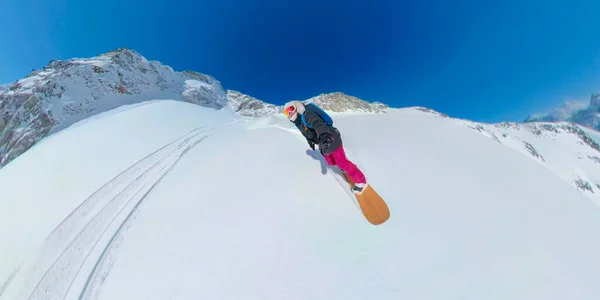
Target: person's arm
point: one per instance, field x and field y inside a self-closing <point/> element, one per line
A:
<point x="311" y="143"/>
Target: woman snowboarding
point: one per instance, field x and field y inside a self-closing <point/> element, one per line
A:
<point x="316" y="126"/>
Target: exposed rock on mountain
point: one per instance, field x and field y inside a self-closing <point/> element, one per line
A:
<point x="340" y="102"/>
<point x="67" y="91"/>
<point x="585" y="114"/>
<point x="249" y="106"/>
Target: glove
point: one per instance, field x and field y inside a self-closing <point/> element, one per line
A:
<point x="325" y="140"/>
<point x="311" y="144"/>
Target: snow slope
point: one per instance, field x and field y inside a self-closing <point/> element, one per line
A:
<point x="207" y="205"/>
<point x="566" y="149"/>
<point x="569" y="150"/>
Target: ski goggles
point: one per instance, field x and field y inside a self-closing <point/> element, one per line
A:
<point x="289" y="111"/>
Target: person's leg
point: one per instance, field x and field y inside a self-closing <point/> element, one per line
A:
<point x="329" y="159"/>
<point x="347" y="166"/>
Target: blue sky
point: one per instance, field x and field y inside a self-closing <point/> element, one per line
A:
<point x="482" y="60"/>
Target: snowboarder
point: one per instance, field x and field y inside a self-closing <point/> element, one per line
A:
<point x="317" y="127"/>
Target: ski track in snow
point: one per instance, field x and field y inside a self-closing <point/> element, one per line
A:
<point x="78" y="253"/>
<point x="8" y="281"/>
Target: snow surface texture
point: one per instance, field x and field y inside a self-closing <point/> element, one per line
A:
<point x="65" y="92"/>
<point x="583" y="113"/>
<point x="196" y="207"/>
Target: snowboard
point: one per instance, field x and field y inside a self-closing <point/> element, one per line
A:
<point x="372" y="205"/>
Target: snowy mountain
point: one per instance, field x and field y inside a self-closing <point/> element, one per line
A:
<point x="248" y="106"/>
<point x="336" y="102"/>
<point x="195" y="206"/>
<point x="582" y="113"/>
<point x="340" y="102"/>
<point x="566" y="149"/>
<point x="65" y="92"/>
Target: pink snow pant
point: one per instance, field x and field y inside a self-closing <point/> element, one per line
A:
<point x="338" y="157"/>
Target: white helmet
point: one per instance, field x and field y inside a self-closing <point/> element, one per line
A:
<point x="292" y="109"/>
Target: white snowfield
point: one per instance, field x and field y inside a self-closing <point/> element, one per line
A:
<point x="570" y="151"/>
<point x="169" y="200"/>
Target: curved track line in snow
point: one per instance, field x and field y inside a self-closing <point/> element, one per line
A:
<point x="8" y="280"/>
<point x="62" y="236"/>
<point x="110" y="190"/>
<point x="68" y="265"/>
<point x="105" y="260"/>
<point x="92" y="227"/>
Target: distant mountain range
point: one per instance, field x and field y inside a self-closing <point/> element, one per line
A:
<point x="582" y="113"/>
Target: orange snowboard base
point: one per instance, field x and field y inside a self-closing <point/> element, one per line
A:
<point x="372" y="205"/>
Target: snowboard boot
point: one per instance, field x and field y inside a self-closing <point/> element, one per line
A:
<point x="359" y="188"/>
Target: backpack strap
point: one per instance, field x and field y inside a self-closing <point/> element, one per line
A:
<point x="306" y="125"/>
<point x="319" y="112"/>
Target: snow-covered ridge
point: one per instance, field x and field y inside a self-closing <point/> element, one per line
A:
<point x="583" y="113"/>
<point x="336" y="102"/>
<point x="564" y="148"/>
<point x="66" y="91"/>
<point x="249" y="106"/>
<point x="340" y="102"/>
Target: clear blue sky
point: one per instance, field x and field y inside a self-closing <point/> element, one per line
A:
<point x="482" y="60"/>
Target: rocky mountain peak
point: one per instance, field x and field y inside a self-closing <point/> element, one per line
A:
<point x="578" y="112"/>
<point x="340" y="102"/>
<point x="595" y="102"/>
<point x="249" y="106"/>
<point x="66" y="91"/>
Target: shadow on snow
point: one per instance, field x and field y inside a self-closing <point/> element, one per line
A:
<point x="316" y="155"/>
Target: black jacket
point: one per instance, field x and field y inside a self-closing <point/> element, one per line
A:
<point x="318" y="127"/>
